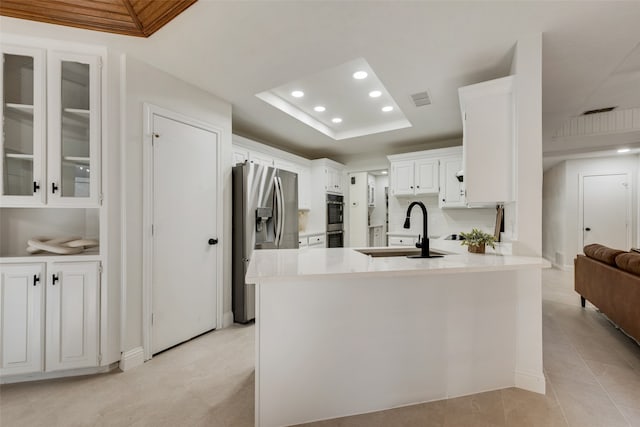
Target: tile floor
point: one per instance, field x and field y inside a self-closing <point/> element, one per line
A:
<point x="593" y="379"/>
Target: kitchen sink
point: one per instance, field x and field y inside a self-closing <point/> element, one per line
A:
<point x="395" y="252"/>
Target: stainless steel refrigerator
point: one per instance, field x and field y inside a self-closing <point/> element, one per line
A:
<point x="265" y="216"/>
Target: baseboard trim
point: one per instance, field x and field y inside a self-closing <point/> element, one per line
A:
<point x="531" y="382"/>
<point x="227" y="319"/>
<point x="562" y="267"/>
<point x="132" y="358"/>
<point x="38" y="376"/>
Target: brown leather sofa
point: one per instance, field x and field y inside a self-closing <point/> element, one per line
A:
<point x="610" y="280"/>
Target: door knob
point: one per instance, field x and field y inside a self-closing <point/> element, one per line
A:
<point x="213" y="241"/>
<point x="587" y="229"/>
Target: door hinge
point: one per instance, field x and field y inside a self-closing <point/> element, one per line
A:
<point x="152" y="318"/>
<point x="100" y="269"/>
<point x="99" y="359"/>
<point x="101" y="198"/>
<point x="100" y="61"/>
<point x="153" y="229"/>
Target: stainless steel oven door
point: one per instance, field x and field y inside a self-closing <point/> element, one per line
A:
<point x="335" y="239"/>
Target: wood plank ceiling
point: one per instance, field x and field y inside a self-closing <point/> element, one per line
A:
<point x="139" y="18"/>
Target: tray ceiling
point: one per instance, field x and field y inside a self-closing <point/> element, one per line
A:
<point x="139" y="18"/>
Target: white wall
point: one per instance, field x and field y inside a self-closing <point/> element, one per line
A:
<point x="554" y="214"/>
<point x="561" y="203"/>
<point x="145" y="83"/>
<point x="621" y="164"/>
<point x="442" y="222"/>
<point x="523" y="219"/>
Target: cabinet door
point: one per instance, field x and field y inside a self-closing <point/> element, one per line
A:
<point x="333" y="180"/>
<point x="402" y="178"/>
<point x="488" y="141"/>
<point x="451" y="190"/>
<point x="74" y="129"/>
<point x="22" y="127"/>
<point x="260" y="158"/>
<point x="240" y="155"/>
<point x="21" y="316"/>
<point x="72" y="315"/>
<point x="426" y="178"/>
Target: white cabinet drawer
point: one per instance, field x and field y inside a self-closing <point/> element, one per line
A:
<point x="402" y="241"/>
<point x="317" y="240"/>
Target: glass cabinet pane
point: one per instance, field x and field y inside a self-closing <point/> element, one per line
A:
<point x="75" y="128"/>
<point x="18" y="119"/>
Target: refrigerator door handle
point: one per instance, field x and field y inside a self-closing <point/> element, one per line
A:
<point x="278" y="209"/>
<point x="283" y="216"/>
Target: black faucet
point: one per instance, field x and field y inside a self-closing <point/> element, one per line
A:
<point x="424" y="243"/>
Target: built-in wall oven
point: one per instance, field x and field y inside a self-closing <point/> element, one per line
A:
<point x="335" y="221"/>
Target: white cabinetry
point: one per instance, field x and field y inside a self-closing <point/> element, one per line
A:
<point x="451" y="189"/>
<point x="70" y="174"/>
<point x="244" y="149"/>
<point x="21" y="318"/>
<point x="50" y="316"/>
<point x="414" y="176"/>
<point x="402" y="241"/>
<point x="260" y="158"/>
<point x="333" y="180"/>
<point x="72" y="315"/>
<point x="317" y="240"/>
<point x="487" y="116"/>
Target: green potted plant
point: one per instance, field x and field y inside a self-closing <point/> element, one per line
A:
<point x="476" y="240"/>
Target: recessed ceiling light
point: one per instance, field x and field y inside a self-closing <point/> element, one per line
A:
<point x="384" y="172"/>
<point x="624" y="150"/>
<point x="319" y="108"/>
<point x="387" y="108"/>
<point x="375" y="93"/>
<point x="336" y="120"/>
<point x="297" y="94"/>
<point x="359" y="75"/>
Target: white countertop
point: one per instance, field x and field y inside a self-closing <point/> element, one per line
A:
<point x="309" y="262"/>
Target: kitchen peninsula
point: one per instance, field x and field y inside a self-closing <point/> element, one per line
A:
<point x="339" y="332"/>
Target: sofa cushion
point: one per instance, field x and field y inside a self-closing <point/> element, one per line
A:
<point x="629" y="262"/>
<point x="602" y="253"/>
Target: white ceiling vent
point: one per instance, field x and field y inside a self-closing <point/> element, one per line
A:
<point x="421" y="99"/>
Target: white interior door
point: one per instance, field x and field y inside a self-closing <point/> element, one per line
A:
<point x="606" y="210"/>
<point x="184" y="224"/>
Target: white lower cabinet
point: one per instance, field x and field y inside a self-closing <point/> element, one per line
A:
<point x="317" y="241"/>
<point x="402" y="241"/>
<point x="21" y="315"/>
<point x="72" y="315"/>
<point x="50" y="316"/>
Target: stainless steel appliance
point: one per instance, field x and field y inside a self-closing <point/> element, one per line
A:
<point x="265" y="216"/>
<point x="335" y="221"/>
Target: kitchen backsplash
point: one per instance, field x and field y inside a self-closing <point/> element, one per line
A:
<point x="441" y="221"/>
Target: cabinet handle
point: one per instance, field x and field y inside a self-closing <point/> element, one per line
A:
<point x="213" y="241"/>
<point x="54" y="279"/>
<point x="412" y="186"/>
<point x="443" y="200"/>
<point x="36" y="279"/>
<point x="36" y="186"/>
<point x="54" y="188"/>
<point x="417" y="186"/>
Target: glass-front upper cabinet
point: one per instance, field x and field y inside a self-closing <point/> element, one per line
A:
<point x="74" y="129"/>
<point x="22" y="126"/>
